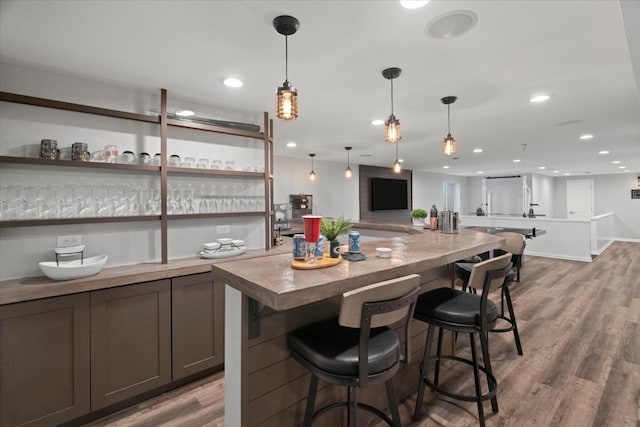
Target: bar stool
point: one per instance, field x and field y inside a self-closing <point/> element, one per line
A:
<point x="514" y="243"/>
<point x="359" y="348"/>
<point x="463" y="312"/>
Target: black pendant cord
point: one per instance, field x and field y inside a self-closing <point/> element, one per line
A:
<point x="449" y="119"/>
<point x="286" y="58"/>
<point x="391" y="96"/>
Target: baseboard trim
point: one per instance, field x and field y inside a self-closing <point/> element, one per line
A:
<point x="556" y="256"/>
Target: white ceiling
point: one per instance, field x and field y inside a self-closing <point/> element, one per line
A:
<point x="578" y="52"/>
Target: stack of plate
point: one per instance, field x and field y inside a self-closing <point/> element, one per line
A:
<point x="223" y="248"/>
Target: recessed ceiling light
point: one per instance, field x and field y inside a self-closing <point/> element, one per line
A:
<point x="377" y="122"/>
<point x="400" y="160"/>
<point x="586" y="136"/>
<point x="451" y="24"/>
<point x="480" y="172"/>
<point x="556" y="171"/>
<point x="615" y="162"/>
<point x="232" y="82"/>
<point x="445" y="167"/>
<point x="413" y="4"/>
<point x="291" y="144"/>
<point x="603" y="152"/>
<point x="567" y="174"/>
<point x="516" y="160"/>
<point x="539" y="98"/>
<point x="622" y="167"/>
<point x="477" y="150"/>
<point x="185" y="113"/>
<point x="542" y="167"/>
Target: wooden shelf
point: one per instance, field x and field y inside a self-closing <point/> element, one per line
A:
<point x="76" y="164"/>
<point x="65" y="221"/>
<point x="215" y="215"/>
<point x="217" y="129"/>
<point x="218" y="172"/>
<point x="79" y="108"/>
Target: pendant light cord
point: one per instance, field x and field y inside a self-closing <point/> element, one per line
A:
<point x="449" y="118"/>
<point x="286" y="58"/>
<point x="391" y="96"/>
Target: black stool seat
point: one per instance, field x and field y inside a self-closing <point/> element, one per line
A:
<point x="453" y="306"/>
<point x="334" y="348"/>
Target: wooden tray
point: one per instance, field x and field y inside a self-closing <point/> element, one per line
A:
<point x="324" y="262"/>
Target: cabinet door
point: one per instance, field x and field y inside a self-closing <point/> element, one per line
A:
<point x="44" y="361"/>
<point x="198" y="330"/>
<point x="130" y="341"/>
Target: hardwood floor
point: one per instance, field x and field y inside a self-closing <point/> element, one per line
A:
<point x="580" y="328"/>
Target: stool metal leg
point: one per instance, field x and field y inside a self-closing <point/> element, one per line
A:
<point x="476" y="377"/>
<point x="311" y="401"/>
<point x="424" y="367"/>
<point x="512" y="318"/>
<point x="436" y="376"/>
<point x="353" y="409"/>
<point x="484" y="343"/>
<point x="393" y="403"/>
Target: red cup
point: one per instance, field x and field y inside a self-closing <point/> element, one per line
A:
<point x="311" y="227"/>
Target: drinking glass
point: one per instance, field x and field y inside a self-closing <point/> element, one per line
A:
<point x="174" y="161"/>
<point x="203" y="164"/>
<point x="216" y="164"/>
<point x="311" y="235"/>
<point x="188" y="162"/>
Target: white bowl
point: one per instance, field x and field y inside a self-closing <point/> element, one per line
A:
<point x="383" y="252"/>
<point x="67" y="270"/>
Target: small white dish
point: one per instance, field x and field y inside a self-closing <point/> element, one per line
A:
<point x="383" y="252"/>
<point x="68" y="270"/>
<point x="225" y="241"/>
<point x="221" y="253"/>
<point x="212" y="245"/>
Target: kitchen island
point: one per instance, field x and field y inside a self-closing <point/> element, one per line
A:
<point x="266" y="298"/>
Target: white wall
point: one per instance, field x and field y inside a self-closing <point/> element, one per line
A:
<point x="428" y="190"/>
<point x="542" y="193"/>
<point x="612" y="193"/>
<point x="333" y="194"/>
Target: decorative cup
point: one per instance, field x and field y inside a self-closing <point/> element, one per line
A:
<point x="311" y="234"/>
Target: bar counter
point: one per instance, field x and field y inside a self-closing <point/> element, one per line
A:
<point x="266" y="298"/>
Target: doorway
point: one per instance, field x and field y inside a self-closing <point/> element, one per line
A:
<point x="580" y="199"/>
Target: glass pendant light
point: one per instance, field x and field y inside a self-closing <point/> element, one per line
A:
<point x="287" y="102"/>
<point x="392" y="125"/>
<point x="312" y="174"/>
<point x="397" y="166"/>
<point x="348" y="173"/>
<point x="449" y="143"/>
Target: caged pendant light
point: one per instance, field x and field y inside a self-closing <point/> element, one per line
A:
<point x="287" y="101"/>
<point x="348" y="173"/>
<point x="449" y="143"/>
<point x="392" y="125"/>
<point x="312" y="174"/>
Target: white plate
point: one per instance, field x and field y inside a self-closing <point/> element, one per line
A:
<point x="221" y="254"/>
<point x="67" y="270"/>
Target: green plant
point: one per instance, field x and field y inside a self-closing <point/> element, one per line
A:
<point x="419" y="213"/>
<point x="332" y="229"/>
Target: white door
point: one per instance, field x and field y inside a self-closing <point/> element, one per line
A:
<point x="580" y="199"/>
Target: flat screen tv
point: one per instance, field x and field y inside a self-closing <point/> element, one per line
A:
<point x="388" y="194"/>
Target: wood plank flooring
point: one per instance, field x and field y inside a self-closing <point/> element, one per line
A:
<point x="580" y="328"/>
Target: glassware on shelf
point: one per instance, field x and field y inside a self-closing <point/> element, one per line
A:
<point x="203" y="163"/>
<point x="145" y="159"/>
<point x="229" y="165"/>
<point x="174" y="161"/>
<point x="110" y="153"/>
<point x="188" y="162"/>
<point x="216" y="164"/>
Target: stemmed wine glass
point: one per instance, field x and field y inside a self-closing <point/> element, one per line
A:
<point x="311" y="235"/>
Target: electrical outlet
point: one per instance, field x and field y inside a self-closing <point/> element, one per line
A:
<point x="222" y="229"/>
<point x="70" y="240"/>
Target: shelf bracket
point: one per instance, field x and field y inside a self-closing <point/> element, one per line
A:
<point x="255" y="314"/>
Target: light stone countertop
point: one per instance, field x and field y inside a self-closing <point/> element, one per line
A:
<point x="272" y="282"/>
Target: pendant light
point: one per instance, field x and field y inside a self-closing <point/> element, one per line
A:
<point x="312" y="174"/>
<point x="348" y="173"/>
<point x="392" y="125"/>
<point x="397" y="166"/>
<point x="448" y="143"/>
<point x="287" y="102"/>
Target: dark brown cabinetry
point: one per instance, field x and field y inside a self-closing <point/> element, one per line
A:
<point x="130" y="341"/>
<point x="301" y="204"/>
<point x="197" y="318"/>
<point x="44" y="361"/>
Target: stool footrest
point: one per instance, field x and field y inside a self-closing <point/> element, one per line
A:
<point x="491" y="381"/>
<point x="362" y="406"/>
